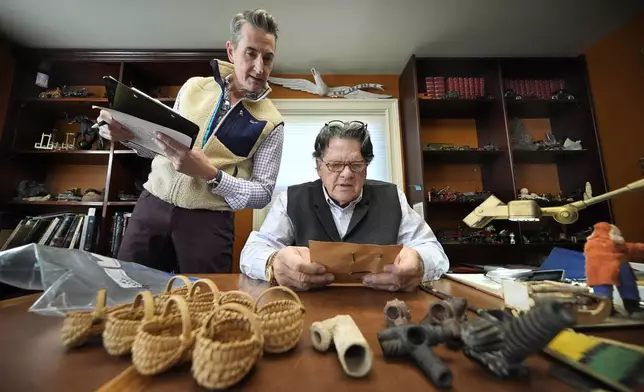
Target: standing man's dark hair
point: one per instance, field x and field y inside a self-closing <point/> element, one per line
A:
<point x="257" y="18"/>
<point x="184" y="218"/>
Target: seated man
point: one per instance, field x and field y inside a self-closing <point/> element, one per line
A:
<point x="342" y="206"/>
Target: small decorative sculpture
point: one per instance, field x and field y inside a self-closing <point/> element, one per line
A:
<point x="51" y="94"/>
<point x="45" y="145"/>
<point x="92" y="195"/>
<point x="354" y="352"/>
<point x="524" y="194"/>
<point x="438" y="312"/>
<point x="87" y="135"/>
<point x="69" y="141"/>
<point x="396" y="313"/>
<point x="76" y="93"/>
<point x="28" y="190"/>
<point x="416" y="341"/>
<point x="570" y="144"/>
<point x="588" y="191"/>
<point x="588" y="308"/>
<point x="501" y="348"/>
<point x="562" y="94"/>
<point x="607" y="264"/>
<point x="72" y="194"/>
<point x="320" y="88"/>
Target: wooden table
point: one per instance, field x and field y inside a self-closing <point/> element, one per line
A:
<point x="33" y="359"/>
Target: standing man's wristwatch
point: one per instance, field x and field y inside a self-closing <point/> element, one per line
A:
<point x="270" y="274"/>
<point x="214" y="183"/>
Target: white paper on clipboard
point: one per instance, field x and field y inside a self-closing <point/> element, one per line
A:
<point x="144" y="132"/>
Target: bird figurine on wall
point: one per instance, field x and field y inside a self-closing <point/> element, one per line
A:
<point x="320" y="88"/>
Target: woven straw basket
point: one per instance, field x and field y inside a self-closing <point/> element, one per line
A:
<point x="162" y="299"/>
<point x="164" y="341"/>
<point x="227" y="347"/>
<point x="282" y="321"/>
<point x="201" y="303"/>
<point x="78" y="327"/>
<point x="237" y="297"/>
<point x="122" y="325"/>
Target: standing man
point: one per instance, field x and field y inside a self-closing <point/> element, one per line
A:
<point x="185" y="217"/>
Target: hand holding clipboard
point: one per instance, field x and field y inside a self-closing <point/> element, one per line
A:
<point x="143" y="117"/>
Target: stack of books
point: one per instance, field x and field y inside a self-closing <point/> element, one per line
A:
<point x="62" y="230"/>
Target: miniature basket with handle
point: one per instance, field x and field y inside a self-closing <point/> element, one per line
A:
<point x="122" y="325"/>
<point x="282" y="321"/>
<point x="160" y="300"/>
<point x="227" y="347"/>
<point x="201" y="303"/>
<point x="237" y="297"/>
<point x="78" y="327"/>
<point x="165" y="340"/>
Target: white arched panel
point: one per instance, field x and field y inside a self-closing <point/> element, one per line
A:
<point x="303" y="119"/>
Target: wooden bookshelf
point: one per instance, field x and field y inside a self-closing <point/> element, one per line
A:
<point x="490" y="118"/>
<point x="113" y="169"/>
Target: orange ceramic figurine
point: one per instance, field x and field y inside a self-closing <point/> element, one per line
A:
<point x="607" y="257"/>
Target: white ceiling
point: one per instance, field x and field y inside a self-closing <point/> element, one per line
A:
<point x="334" y="36"/>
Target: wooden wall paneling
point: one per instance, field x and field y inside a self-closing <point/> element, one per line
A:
<point x="415" y="190"/>
<point x="460" y="131"/>
<point x="61" y="177"/>
<point x="616" y="73"/>
<point x="243" y="228"/>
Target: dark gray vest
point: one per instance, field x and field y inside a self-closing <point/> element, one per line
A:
<point x="375" y="220"/>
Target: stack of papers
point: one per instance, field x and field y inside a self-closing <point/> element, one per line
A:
<point x="144" y="133"/>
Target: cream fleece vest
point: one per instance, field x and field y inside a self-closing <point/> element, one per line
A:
<point x="246" y="120"/>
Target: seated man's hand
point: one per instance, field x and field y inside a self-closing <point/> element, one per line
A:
<point x="293" y="268"/>
<point x="404" y="275"/>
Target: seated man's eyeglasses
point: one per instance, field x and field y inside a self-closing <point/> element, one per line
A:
<point x="337" y="167"/>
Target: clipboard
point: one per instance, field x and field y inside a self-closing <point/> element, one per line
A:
<point x="135" y="103"/>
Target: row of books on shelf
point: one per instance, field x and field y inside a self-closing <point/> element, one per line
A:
<point x="62" y="230"/>
<point x="440" y="87"/>
<point x="541" y="89"/>
<point x="119" y="224"/>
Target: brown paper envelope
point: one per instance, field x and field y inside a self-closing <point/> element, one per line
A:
<point x="348" y="262"/>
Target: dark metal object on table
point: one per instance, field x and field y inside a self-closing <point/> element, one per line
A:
<point x="438" y="312"/>
<point x="396" y="313"/>
<point x="493" y="315"/>
<point x="426" y="287"/>
<point x="416" y="342"/>
<point x="521" y="337"/>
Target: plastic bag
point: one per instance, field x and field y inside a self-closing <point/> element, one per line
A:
<point x="72" y="277"/>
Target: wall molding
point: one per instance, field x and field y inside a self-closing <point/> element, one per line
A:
<point x="329" y="106"/>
